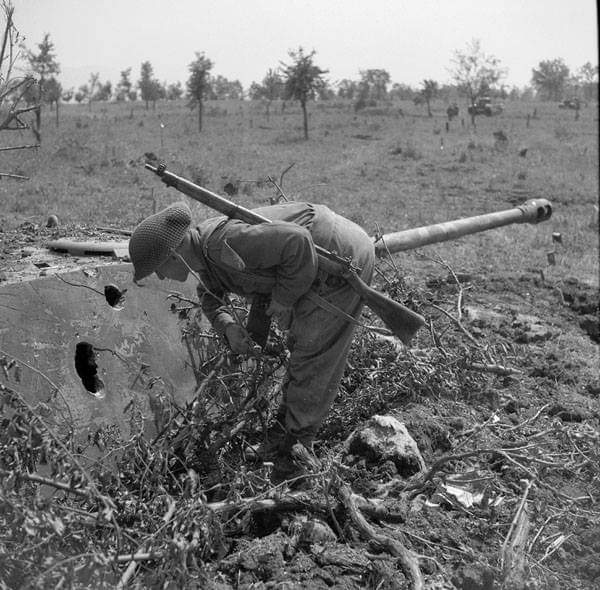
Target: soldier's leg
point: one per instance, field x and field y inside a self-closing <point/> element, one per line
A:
<point x="320" y="340"/>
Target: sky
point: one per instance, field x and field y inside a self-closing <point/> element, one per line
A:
<point x="410" y="39"/>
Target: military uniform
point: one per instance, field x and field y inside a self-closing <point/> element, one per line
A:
<point x="278" y="260"/>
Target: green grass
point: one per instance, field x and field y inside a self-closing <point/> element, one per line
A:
<point x="378" y="168"/>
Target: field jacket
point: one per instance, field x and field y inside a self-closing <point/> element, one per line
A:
<point x="277" y="259"/>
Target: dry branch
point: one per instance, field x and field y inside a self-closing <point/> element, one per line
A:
<point x="513" y="555"/>
<point x="59" y="485"/>
<point x="457" y="322"/>
<point x="407" y="560"/>
<point x="496" y="369"/>
<point x="13" y="114"/>
<point x="19" y="147"/>
<point x="9" y="10"/>
<point x="17" y="176"/>
<point x="130" y="571"/>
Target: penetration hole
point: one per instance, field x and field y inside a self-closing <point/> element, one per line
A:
<point x="87" y="369"/>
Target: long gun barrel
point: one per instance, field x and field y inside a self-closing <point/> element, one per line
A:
<point x="533" y="211"/>
<point x="402" y="321"/>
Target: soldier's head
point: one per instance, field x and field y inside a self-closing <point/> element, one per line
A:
<point x="154" y="242"/>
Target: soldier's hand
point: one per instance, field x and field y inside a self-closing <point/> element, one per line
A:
<point x="239" y="340"/>
<point x="281" y="313"/>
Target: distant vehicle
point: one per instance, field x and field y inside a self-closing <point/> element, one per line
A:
<point x="485" y="106"/>
<point x="571" y="103"/>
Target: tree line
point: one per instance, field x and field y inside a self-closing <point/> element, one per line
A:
<point x="474" y="74"/>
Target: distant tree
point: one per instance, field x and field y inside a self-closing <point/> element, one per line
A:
<point x="222" y="88"/>
<point x="347" y="88"/>
<point x="401" y="92"/>
<point x="325" y="92"/>
<point x="273" y="85"/>
<point x="302" y="80"/>
<point x="92" y="87"/>
<point x="52" y="91"/>
<point x="198" y="84"/>
<point x="447" y="93"/>
<point x="104" y="92"/>
<point x="362" y="95"/>
<point x="573" y="87"/>
<point x="271" y="88"/>
<point x="53" y="94"/>
<point x="550" y="78"/>
<point x="150" y="87"/>
<point x="82" y="93"/>
<point x="588" y="75"/>
<point x="501" y="92"/>
<point x="429" y="92"/>
<point x="514" y="93"/>
<point x="254" y="91"/>
<point x="174" y="91"/>
<point x="475" y="72"/>
<point x="376" y="81"/>
<point x="527" y="93"/>
<point x="124" y="85"/>
<point x="44" y="65"/>
<point x="13" y="89"/>
<point x="161" y="90"/>
<point x="236" y="90"/>
<point x="219" y="86"/>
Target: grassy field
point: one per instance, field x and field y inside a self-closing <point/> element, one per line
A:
<point x="508" y="397"/>
<point x="388" y="168"/>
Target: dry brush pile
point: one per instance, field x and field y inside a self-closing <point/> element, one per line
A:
<point x="508" y="497"/>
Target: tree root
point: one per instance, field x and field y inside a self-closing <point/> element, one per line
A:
<point x="407" y="560"/>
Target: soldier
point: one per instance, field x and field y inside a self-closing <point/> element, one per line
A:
<point x="274" y="261"/>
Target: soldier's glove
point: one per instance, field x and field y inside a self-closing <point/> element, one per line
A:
<point x="281" y="313"/>
<point x="238" y="339"/>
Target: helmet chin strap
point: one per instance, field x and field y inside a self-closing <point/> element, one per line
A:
<point x="177" y="255"/>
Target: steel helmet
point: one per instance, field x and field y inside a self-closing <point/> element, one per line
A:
<point x="156" y="236"/>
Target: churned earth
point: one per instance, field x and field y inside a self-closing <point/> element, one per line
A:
<point x="501" y="394"/>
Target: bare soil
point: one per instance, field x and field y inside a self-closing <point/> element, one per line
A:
<point x="508" y="393"/>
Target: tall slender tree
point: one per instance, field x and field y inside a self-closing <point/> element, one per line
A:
<point x="43" y="64"/>
<point x="123" y="89"/>
<point x="302" y="80"/>
<point x="429" y="92"/>
<point x="588" y="74"/>
<point x="93" y="85"/>
<point x="149" y="86"/>
<point x="198" y="84"/>
<point x="53" y="94"/>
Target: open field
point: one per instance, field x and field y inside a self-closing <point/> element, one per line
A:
<point x="378" y="168"/>
<point x="500" y="392"/>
